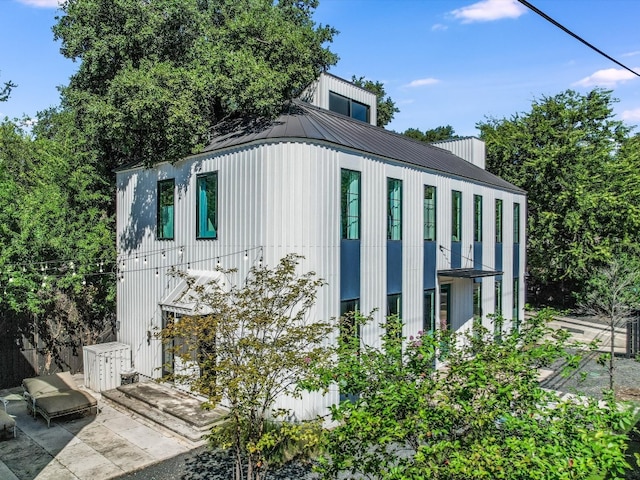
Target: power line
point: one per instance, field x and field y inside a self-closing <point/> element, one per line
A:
<point x="577" y="37"/>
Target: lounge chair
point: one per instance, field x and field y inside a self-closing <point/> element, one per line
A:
<point x="7" y="422"/>
<point x="56" y="395"/>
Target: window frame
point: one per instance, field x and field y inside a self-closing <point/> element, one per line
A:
<point x="516" y="222"/>
<point x="349" y="104"/>
<point x="346" y="215"/>
<point x="456" y="216"/>
<point x="162" y="225"/>
<point x="430" y="214"/>
<point x="477" y="218"/>
<point x="199" y="231"/>
<point x="499" y="220"/>
<point x="429" y="311"/>
<point x="394" y="209"/>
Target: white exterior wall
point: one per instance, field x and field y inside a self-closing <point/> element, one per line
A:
<point x="470" y="148"/>
<point x="285" y="198"/>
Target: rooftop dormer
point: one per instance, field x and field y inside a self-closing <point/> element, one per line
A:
<point x="341" y="96"/>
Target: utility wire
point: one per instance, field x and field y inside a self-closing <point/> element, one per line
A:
<point x="577" y="37"/>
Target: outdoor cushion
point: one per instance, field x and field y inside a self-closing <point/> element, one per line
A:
<point x="56" y="404"/>
<point x="38" y="386"/>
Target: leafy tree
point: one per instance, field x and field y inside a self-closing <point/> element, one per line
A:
<point x="613" y="293"/>
<point x="434" y="135"/>
<point x="386" y="108"/>
<point x="566" y="153"/>
<point x="155" y="76"/>
<point x="6" y="91"/>
<point x="482" y="416"/>
<point x="255" y="345"/>
<point x="56" y="235"/>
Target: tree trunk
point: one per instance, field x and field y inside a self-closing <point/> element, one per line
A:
<point x="611" y="357"/>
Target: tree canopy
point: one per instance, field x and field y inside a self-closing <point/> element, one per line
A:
<point x="386" y="108"/>
<point x="433" y="135"/>
<point x="579" y="167"/>
<point x="6" y="91"/>
<point x="155" y="76"/>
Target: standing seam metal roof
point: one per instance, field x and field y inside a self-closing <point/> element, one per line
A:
<point x="304" y="121"/>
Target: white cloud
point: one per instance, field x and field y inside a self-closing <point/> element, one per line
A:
<point x="631" y="115"/>
<point x="489" y="10"/>
<point x="421" y="82"/>
<point x="438" y="27"/>
<point x="631" y="54"/>
<point x="42" y="3"/>
<point x="608" y="77"/>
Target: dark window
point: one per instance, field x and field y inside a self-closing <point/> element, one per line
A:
<point x="350" y="205"/>
<point x="516" y="223"/>
<point x="429" y="213"/>
<point x="445" y="312"/>
<point x="498" y="221"/>
<point x="456" y="216"/>
<point x="394" y="305"/>
<point x="477" y="218"/>
<point x="516" y="304"/>
<point x="497" y="320"/>
<point x="350" y="108"/>
<point x="166" y="205"/>
<point x="207" y="206"/>
<point x="477" y="301"/>
<point x="429" y="320"/>
<point x="394" y="209"/>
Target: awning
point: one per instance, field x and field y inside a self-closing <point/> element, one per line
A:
<point x="184" y="299"/>
<point x="468" y="273"/>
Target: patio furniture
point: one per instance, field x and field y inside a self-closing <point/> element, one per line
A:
<point x="7" y="422"/>
<point x="56" y="395"/>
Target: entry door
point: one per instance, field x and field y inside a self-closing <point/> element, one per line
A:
<point x="445" y="307"/>
<point x="172" y="363"/>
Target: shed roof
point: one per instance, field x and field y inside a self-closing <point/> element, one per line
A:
<point x="305" y="121"/>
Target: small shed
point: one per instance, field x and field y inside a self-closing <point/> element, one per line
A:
<point x="104" y="363"/>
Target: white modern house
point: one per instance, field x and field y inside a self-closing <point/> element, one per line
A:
<point x="390" y="223"/>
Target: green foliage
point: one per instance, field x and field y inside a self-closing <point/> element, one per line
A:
<point x="6" y="90"/>
<point x="386" y="108"/>
<point x="55" y="229"/>
<point x="580" y="171"/>
<point x="157" y="75"/>
<point x="256" y="345"/>
<point x="483" y="415"/>
<point x="433" y="135"/>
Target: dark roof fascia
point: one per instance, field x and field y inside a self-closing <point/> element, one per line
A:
<point x="468" y="273"/>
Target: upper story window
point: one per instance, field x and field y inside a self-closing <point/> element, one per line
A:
<point x="498" y="221"/>
<point x="207" y="206"/>
<point x="456" y="216"/>
<point x="166" y="206"/>
<point x="347" y="106"/>
<point x="394" y="209"/>
<point x="350" y="204"/>
<point x="516" y="223"/>
<point x="429" y="213"/>
<point x="477" y="218"/>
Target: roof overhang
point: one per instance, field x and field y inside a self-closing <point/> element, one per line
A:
<point x="468" y="273"/>
<point x="185" y="298"/>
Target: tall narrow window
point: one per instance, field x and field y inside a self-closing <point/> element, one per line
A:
<point x="477" y="218"/>
<point x="207" y="206"/>
<point x="429" y="314"/>
<point x="477" y="301"/>
<point x="350" y="205"/>
<point x="165" y="213"/>
<point x="394" y="212"/>
<point x="516" y="304"/>
<point x="445" y="312"/>
<point x="394" y="304"/>
<point x="456" y="216"/>
<point x="429" y="213"/>
<point x="498" y="221"/>
<point x="497" y="318"/>
<point x="516" y="223"/>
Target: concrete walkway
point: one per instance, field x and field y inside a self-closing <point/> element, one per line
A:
<point x="82" y="448"/>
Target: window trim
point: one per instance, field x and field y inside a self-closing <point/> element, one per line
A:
<point x="199" y="235"/>
<point x="345" y="216"/>
<point x="160" y="225"/>
<point x="456" y="216"/>
<point x="394" y="222"/>
<point x="430" y="214"/>
<point x="477" y="218"/>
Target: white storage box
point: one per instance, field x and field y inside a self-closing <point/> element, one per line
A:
<point x="103" y="364"/>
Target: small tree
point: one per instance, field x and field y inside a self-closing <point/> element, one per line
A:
<point x="484" y="415"/>
<point x="613" y="293"/>
<point x="256" y="345"/>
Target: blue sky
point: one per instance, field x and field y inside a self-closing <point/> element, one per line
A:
<point x="444" y="62"/>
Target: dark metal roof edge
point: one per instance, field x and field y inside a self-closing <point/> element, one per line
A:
<point x="468" y="273"/>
